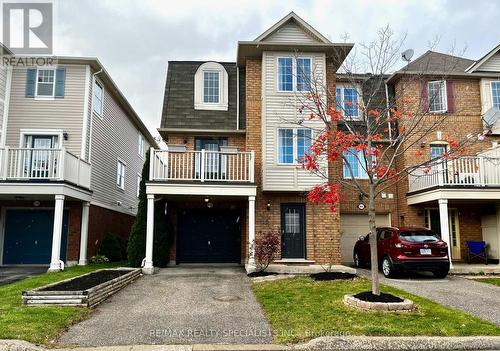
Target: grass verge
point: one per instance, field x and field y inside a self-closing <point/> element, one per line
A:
<point x="300" y="309"/>
<point x="41" y="324"/>
<point x="492" y="281"/>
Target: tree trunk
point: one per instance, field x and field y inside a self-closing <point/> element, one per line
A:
<point x="373" y="241"/>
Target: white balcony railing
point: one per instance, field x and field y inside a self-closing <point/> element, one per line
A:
<point x="201" y="166"/>
<point x="463" y="171"/>
<point x="43" y="164"/>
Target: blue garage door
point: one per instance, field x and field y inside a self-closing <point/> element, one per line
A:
<point x="28" y="236"/>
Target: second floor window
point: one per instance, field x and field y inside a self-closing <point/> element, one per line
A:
<point x="211" y="84"/>
<point x="97" y="100"/>
<point x="294" y="74"/>
<point x="495" y="94"/>
<point x="293" y="144"/>
<point x="141" y="146"/>
<point x="356" y="162"/>
<point x="348" y="102"/>
<point x="45" y="82"/>
<point x="120" y="174"/>
<point x="437" y="150"/>
<point x="437" y="96"/>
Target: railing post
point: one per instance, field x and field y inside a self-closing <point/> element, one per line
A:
<point x="151" y="163"/>
<point x="5" y="162"/>
<point x="440" y="173"/>
<point x="202" y="166"/>
<point x="482" y="174"/>
<point x="252" y="166"/>
<point x="62" y="156"/>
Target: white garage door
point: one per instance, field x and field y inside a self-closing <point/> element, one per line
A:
<point x="352" y="226"/>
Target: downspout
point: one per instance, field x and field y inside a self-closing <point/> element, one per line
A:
<point x="237" y="97"/>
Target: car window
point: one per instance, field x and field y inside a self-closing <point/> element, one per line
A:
<point x="419" y="236"/>
<point x="384" y="234"/>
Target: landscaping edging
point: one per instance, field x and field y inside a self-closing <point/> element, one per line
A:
<point x="79" y="298"/>
<point x="406" y="305"/>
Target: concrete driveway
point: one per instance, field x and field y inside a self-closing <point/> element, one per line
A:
<point x="185" y="305"/>
<point x="478" y="299"/>
<point x="10" y="274"/>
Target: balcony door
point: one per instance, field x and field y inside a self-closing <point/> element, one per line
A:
<point x="215" y="163"/>
<point x="40" y="161"/>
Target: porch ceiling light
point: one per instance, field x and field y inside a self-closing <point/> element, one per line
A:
<point x="207" y="199"/>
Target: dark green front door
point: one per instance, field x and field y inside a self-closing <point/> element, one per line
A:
<point x="293" y="231"/>
<point x="28" y="236"/>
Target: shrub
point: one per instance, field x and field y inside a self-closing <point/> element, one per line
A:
<point x="111" y="247"/>
<point x="265" y="248"/>
<point x="98" y="259"/>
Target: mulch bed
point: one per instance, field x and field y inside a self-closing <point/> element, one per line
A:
<point x="332" y="276"/>
<point x="368" y="296"/>
<point x="87" y="281"/>
<point x="261" y="274"/>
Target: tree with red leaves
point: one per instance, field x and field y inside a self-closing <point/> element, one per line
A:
<point x="369" y="134"/>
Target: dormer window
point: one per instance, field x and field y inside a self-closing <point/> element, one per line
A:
<point x="211" y="87"/>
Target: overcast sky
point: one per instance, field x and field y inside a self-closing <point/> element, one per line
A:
<point x="135" y="39"/>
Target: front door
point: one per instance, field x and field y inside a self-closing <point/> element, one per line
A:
<point x="433" y="222"/>
<point x="293" y="231"/>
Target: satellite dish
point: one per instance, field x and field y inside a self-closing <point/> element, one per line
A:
<point x="490" y="117"/>
<point x="407" y="55"/>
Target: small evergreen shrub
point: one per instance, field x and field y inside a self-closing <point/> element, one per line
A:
<point x="111" y="247"/>
<point x="98" y="259"/>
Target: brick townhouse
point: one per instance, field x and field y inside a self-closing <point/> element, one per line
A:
<point x="231" y="168"/>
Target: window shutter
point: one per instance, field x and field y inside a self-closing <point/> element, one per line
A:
<point x="424" y="96"/>
<point x="450" y="96"/>
<point x="30" y="82"/>
<point x="60" y="80"/>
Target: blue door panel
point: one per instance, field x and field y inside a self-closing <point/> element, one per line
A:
<point x="28" y="236"/>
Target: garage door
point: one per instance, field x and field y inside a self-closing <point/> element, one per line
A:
<point x="28" y="236"/>
<point x="209" y="236"/>
<point x="352" y="226"/>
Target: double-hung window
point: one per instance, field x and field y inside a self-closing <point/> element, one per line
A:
<point x="211" y="87"/>
<point x="97" y="100"/>
<point x="355" y="159"/>
<point x="141" y="146"/>
<point x="293" y="144"/>
<point x="45" y="82"/>
<point x="437" y="96"/>
<point x="294" y="74"/>
<point x="348" y="102"/>
<point x="495" y="94"/>
<point x="120" y="174"/>
<point x="139" y="180"/>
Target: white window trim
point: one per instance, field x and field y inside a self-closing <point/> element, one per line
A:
<point x="294" y="73"/>
<point x="53" y="132"/>
<point x="445" y="96"/>
<point x="295" y="145"/>
<point x="101" y="113"/>
<point x="349" y="86"/>
<point x="491" y="91"/>
<point x="199" y="103"/>
<point x="141" y="146"/>
<point x="359" y="164"/>
<point x="45" y="97"/>
<point x="118" y="162"/>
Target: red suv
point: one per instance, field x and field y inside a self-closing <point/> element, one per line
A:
<point x="405" y="249"/>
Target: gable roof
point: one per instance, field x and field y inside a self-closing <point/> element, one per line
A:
<point x="437" y="62"/>
<point x="292" y="17"/>
<point x="477" y="64"/>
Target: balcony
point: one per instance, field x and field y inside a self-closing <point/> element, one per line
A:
<point x="202" y="167"/>
<point x="38" y="165"/>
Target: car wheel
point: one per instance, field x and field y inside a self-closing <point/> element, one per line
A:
<point x="387" y="268"/>
<point x="357" y="261"/>
<point x="442" y="273"/>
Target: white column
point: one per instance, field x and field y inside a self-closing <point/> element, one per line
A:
<point x="55" y="261"/>
<point x="84" y="233"/>
<point x="148" y="261"/>
<point x="251" y="228"/>
<point x="444" y="221"/>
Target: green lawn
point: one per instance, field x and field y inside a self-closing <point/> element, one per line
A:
<point x="39" y="324"/>
<point x="301" y="308"/>
<point x="492" y="281"/>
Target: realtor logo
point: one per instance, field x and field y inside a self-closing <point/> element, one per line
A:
<point x="28" y="27"/>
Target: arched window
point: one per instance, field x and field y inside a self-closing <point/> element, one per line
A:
<point x="210" y="87"/>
